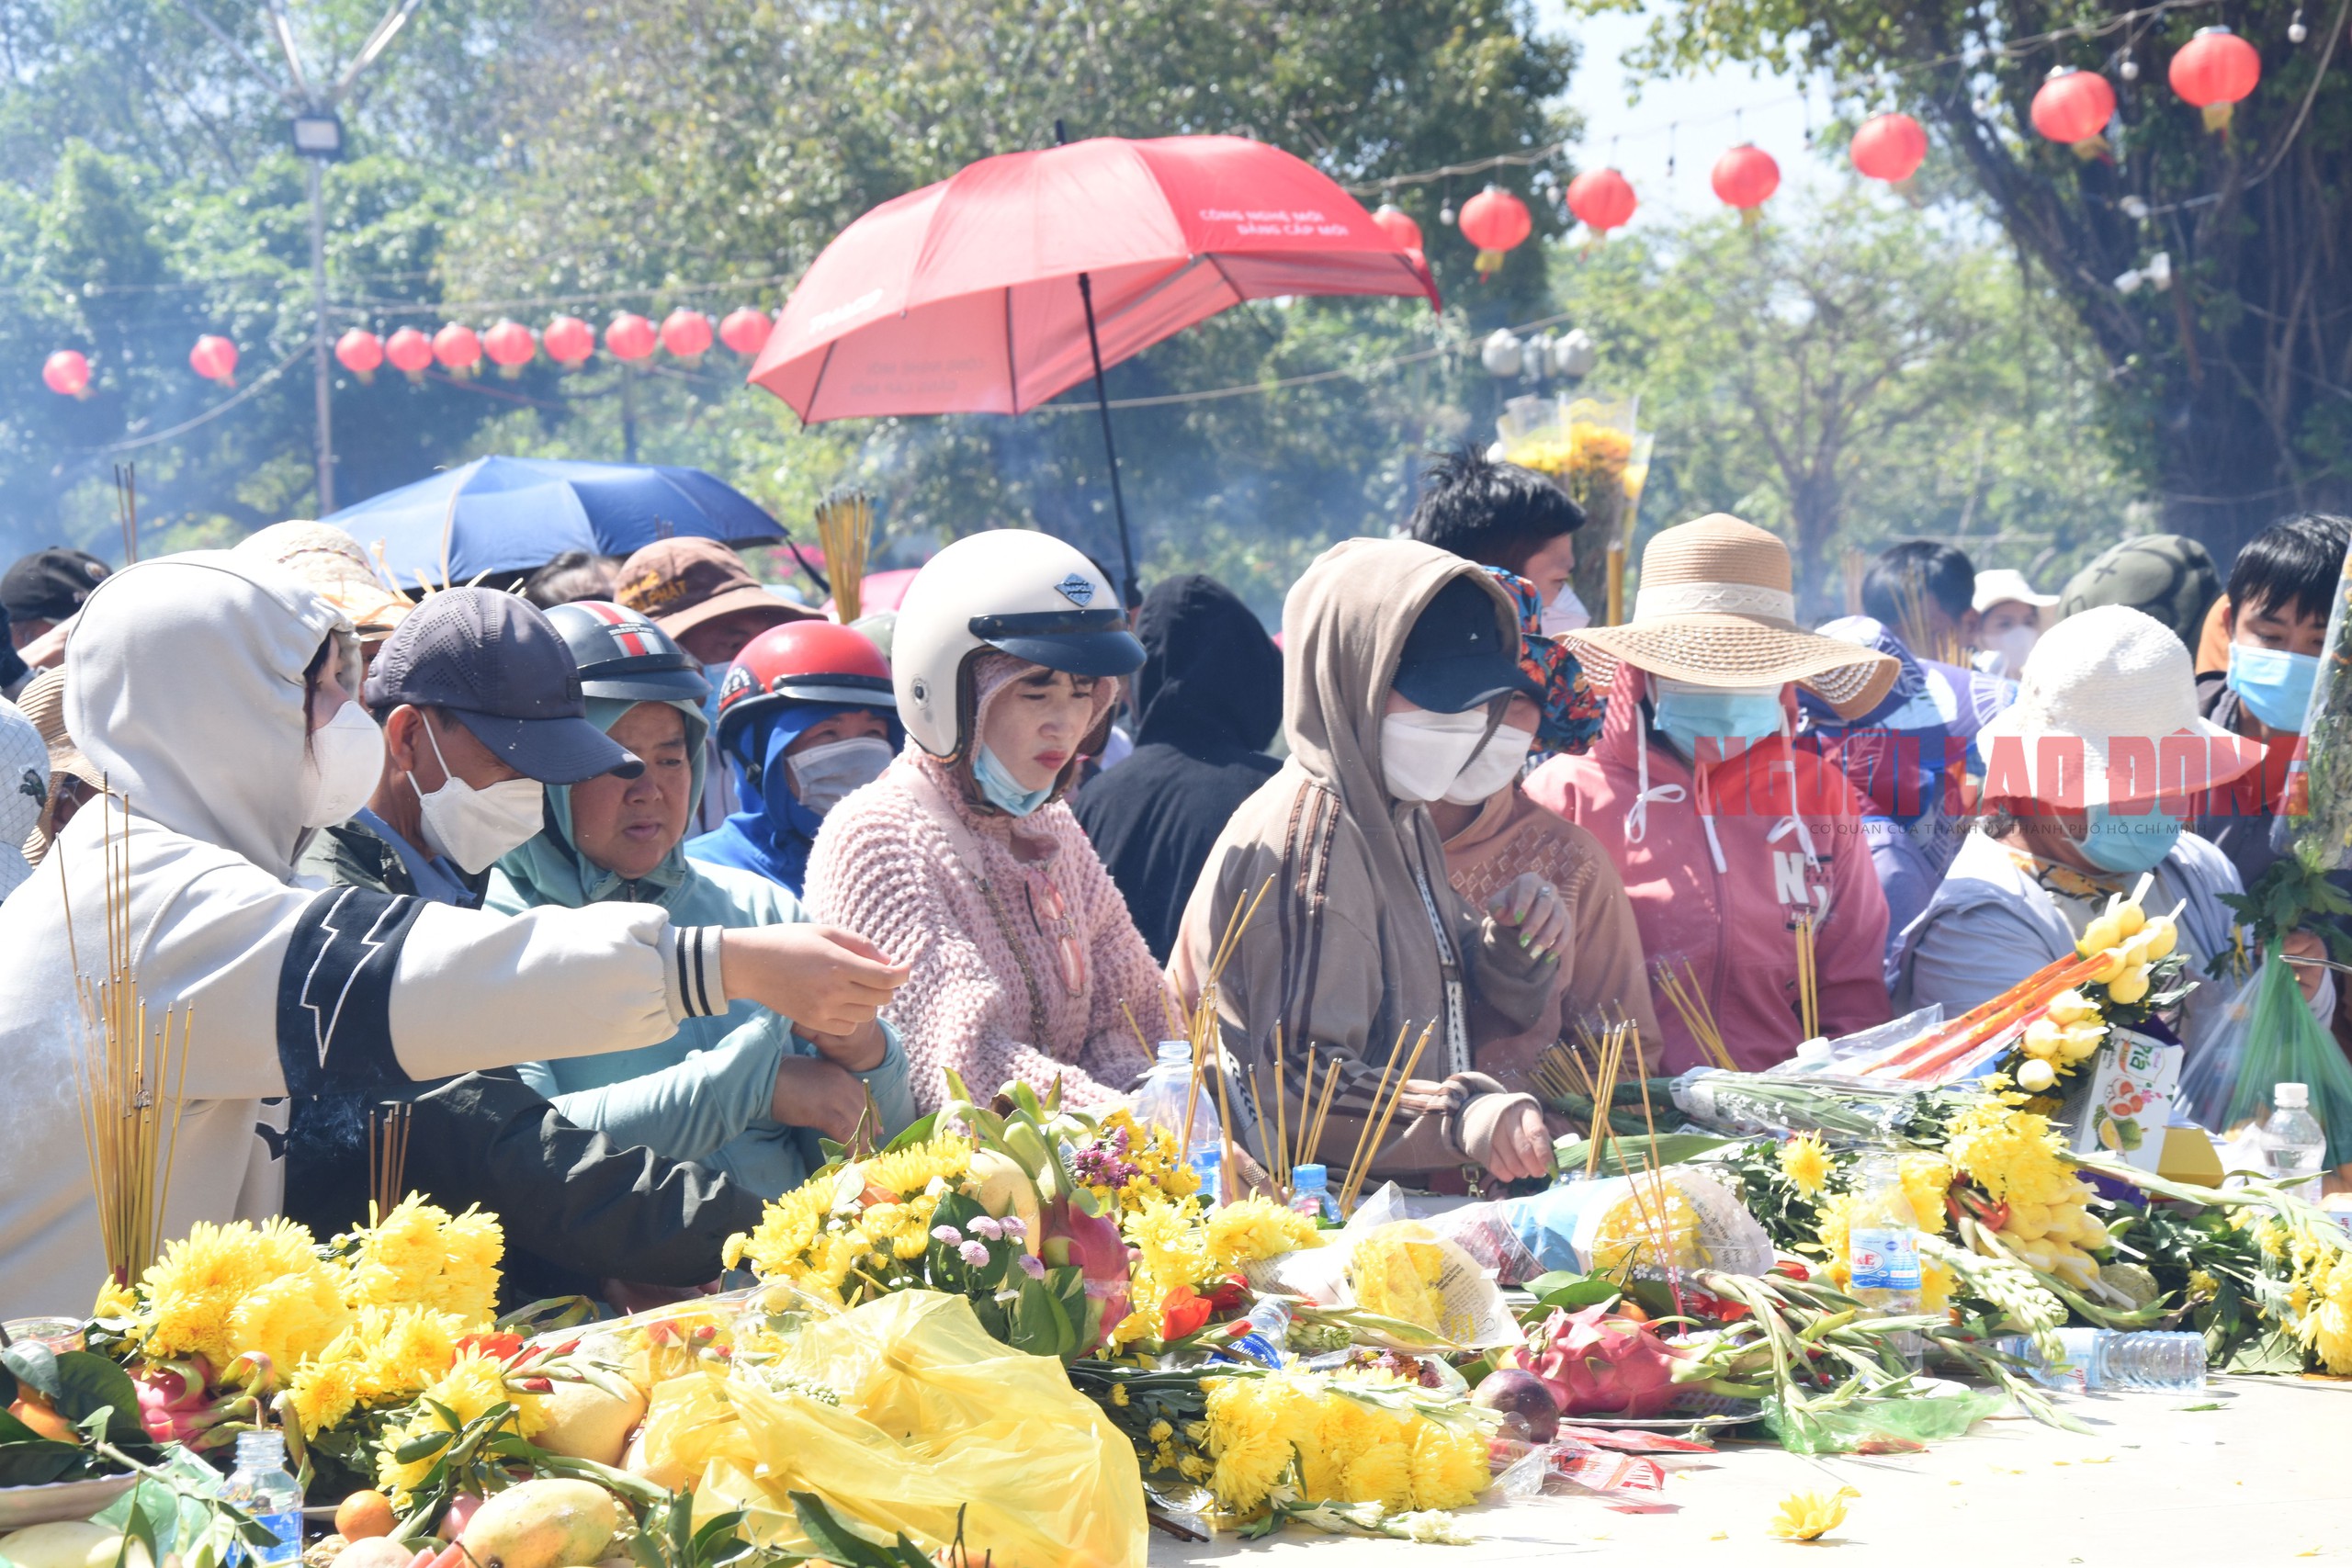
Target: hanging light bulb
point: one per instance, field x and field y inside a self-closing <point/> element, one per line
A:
<point x="1445" y="214"/>
<point x="2128" y="70"/>
<point x="2296" y="31"/>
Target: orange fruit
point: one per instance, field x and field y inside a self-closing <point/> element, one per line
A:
<point x="34" y="1412"/>
<point x="363" y="1514"/>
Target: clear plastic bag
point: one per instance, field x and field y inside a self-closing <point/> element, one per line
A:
<point x="1882" y="1426"/>
<point x="2286" y="1045"/>
<point x="1679" y="1218"/>
<point x="2208" y="1077"/>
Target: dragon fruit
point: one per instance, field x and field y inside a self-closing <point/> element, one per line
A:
<point x="1595" y="1364"/>
<point x="1095" y="1244"/>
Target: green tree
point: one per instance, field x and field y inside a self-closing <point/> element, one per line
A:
<point x="1854" y="373"/>
<point x="2234" y="384"/>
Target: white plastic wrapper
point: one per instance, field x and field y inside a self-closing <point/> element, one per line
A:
<point x="1472" y="1313"/>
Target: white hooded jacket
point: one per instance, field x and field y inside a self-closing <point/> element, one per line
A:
<point x="185" y="686"/>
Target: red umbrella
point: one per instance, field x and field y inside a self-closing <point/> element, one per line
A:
<point x="1020" y="276"/>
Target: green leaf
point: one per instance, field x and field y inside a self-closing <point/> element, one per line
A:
<point x="415" y="1448"/>
<point x="39" y="1462"/>
<point x="87" y="1383"/>
<point x="843" y="1546"/>
<point x="914" y="1132"/>
<point x="34" y="1364"/>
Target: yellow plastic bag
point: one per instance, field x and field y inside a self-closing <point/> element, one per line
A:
<point x="689" y="1422"/>
<point x="935" y="1417"/>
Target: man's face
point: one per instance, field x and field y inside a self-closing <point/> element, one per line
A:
<point x="23" y="632"/>
<point x="410" y="734"/>
<point x="2282" y="627"/>
<point x="717" y="643"/>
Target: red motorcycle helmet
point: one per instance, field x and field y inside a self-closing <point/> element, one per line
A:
<point x="804" y="662"/>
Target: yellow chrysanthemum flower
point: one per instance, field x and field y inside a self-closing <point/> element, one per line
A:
<point x="291" y="1317"/>
<point x="116" y="1301"/>
<point x="1448" y="1465"/>
<point x="323" y="1392"/>
<point x="1805" y="1162"/>
<point x="1256" y="1228"/>
<point x="419" y="1256"/>
<point x="1394" y="1271"/>
<point x="908" y="1170"/>
<point x="1252" y="1437"/>
<point x="1809" y="1516"/>
<point x="2014" y="1154"/>
<point x="1927" y="1178"/>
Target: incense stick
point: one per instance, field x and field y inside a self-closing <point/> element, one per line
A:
<point x="1808" y="984"/>
<point x="1148" y="1049"/>
<point x="1364" y="1130"/>
<point x="1282" y="1118"/>
<point x="388" y="1160"/>
<point x="1363" y="1167"/>
<point x="1323" y="1106"/>
<point x="1258" y="1115"/>
<point x="126" y="501"/>
<point x="844" y="527"/>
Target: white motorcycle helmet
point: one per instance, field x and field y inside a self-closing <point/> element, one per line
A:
<point x="1016" y="590"/>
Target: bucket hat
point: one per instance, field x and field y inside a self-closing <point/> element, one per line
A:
<point x="1717" y="607"/>
<point x="2006" y="585"/>
<point x="2106" y="714"/>
<point x="332" y="565"/>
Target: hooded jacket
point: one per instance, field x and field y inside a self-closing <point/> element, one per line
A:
<point x="706" y="1092"/>
<point x="1718" y="868"/>
<point x="1209" y="700"/>
<point x="1361" y="939"/>
<point x="184" y="685"/>
<point x="774" y="832"/>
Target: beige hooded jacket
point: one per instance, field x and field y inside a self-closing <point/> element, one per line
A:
<point x="1342" y="958"/>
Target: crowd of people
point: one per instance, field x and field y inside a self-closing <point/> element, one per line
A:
<point x="640" y="886"/>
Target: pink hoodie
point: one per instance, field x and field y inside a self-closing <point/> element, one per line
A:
<point x="1726" y="901"/>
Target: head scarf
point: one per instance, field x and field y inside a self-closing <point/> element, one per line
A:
<point x="1572" y="710"/>
<point x="549" y="869"/>
<point x="774" y="832"/>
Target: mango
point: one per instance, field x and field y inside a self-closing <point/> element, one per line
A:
<point x="542" y="1524"/>
<point x="70" y="1543"/>
<point x="585" y="1422"/>
<point x="376" y="1552"/>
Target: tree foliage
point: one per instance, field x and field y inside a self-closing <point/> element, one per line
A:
<point x="2239" y="379"/>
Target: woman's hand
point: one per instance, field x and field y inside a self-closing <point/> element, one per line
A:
<point x="1533" y="907"/>
<point x="1521" y="1147"/>
<point x="2311" y="945"/>
<point x="829" y="982"/>
<point x="819" y="1095"/>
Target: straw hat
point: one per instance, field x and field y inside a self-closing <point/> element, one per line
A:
<point x="2118" y="684"/>
<point x="2006" y="585"/>
<point x="1717" y="607"/>
<point x="332" y="564"/>
<point x="43" y="701"/>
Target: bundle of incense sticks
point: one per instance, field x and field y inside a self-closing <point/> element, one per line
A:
<point x="126" y="1070"/>
<point x="844" y="531"/>
<point x="1604" y="1094"/>
<point x="126" y="505"/>
<point x="1375" y="1125"/>
<point x="1918" y="628"/>
<point x="1202" y="1029"/>
<point x="1808" y="980"/>
<point x="387" y="1160"/>
<point x="1857" y="567"/>
<point x="1683" y="992"/>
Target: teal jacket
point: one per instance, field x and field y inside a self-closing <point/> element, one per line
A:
<point x="705" y="1093"/>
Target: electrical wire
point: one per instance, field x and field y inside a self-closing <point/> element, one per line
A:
<point x="215" y="412"/>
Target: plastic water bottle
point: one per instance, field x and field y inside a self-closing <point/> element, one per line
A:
<point x="2115" y="1357"/>
<point x="1269" y="1330"/>
<point x="1883" y="1248"/>
<point x="1310" y="1191"/>
<point x="264" y="1487"/>
<point x="1160" y="1102"/>
<point x="1207" y="1163"/>
<point x="2292" y="1140"/>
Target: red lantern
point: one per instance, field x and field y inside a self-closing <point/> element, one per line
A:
<point x="1495" y="220"/>
<point x="2073" y="106"/>
<point x="1889" y="147"/>
<point x="630" y="337"/>
<point x="215" y="359"/>
<point x="1601" y="201"/>
<point x="66" y="373"/>
<point x="360" y="352"/>
<point x="2214" y="71"/>
<point x="686" y="334"/>
<point x="570" y="341"/>
<point x="1397" y="224"/>
<point x="409" y="351"/>
<point x="510" y="347"/>
<point x="458" y="348"/>
<point x="746" y="330"/>
<point x="1743" y="178"/>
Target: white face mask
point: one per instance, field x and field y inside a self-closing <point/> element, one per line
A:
<point x="1565" y="614"/>
<point x="2006" y="650"/>
<point x="340" y="766"/>
<point x="1497" y="763"/>
<point x="474" y="827"/>
<point x="823" y="776"/>
<point x="1421" y="754"/>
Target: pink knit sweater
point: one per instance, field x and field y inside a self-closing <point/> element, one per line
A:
<point x="887" y="866"/>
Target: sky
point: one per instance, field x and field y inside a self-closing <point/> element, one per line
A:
<point x="1692" y="119"/>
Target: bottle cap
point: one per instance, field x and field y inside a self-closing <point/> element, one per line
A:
<point x="1310" y="1179"/>
<point x="2291" y="1096"/>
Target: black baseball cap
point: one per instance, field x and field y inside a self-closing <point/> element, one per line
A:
<point x="500" y="666"/>
<point x="50" y="585"/>
<point x="1454" y="656"/>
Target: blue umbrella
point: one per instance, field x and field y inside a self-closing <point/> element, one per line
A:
<point x="515" y="513"/>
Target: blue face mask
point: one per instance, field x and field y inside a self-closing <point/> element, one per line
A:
<point x="2274" y="684"/>
<point x="1726" y="716"/>
<point x="1004" y="792"/>
<point x="2127" y="845"/>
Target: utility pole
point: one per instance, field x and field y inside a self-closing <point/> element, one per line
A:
<point x="317" y="134"/>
